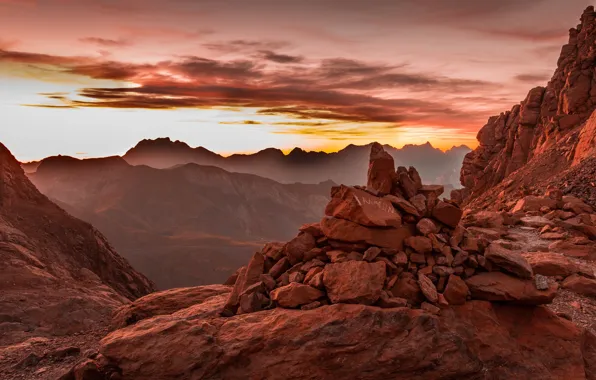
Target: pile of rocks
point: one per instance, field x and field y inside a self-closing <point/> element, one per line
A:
<point x="393" y="243"/>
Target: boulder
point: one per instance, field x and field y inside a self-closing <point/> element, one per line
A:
<point x="497" y="286"/>
<point x="354" y="281"/>
<point x="456" y="291"/>
<point x="346" y="231"/>
<point x="426" y="226"/>
<point x="360" y="207"/>
<point x="354" y="342"/>
<point x="428" y="288"/>
<point x="550" y="264"/>
<point x="580" y="285"/>
<point x="534" y="203"/>
<point x="165" y="302"/>
<point x="536" y="221"/>
<point x="381" y="170"/>
<point x="447" y="213"/>
<point x="297" y="247"/>
<point x="434" y="190"/>
<point x="403" y="205"/>
<point x="295" y="294"/>
<point x="511" y="261"/>
<point x="407" y="287"/>
<point x="420" y="244"/>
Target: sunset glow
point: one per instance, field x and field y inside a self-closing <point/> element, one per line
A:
<point x="98" y="76"/>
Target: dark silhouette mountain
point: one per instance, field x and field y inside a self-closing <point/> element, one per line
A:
<point x="58" y="274"/>
<point x="186" y="225"/>
<point x="345" y="166"/>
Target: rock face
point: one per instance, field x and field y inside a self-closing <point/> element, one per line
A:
<point x="58" y="275"/>
<point x="349" y="342"/>
<point x="361" y="207"/>
<point x="354" y="282"/>
<point x="496" y="286"/>
<point x="508" y="141"/>
<point x="381" y="170"/>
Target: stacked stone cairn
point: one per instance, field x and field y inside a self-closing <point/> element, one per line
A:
<point x="390" y="244"/>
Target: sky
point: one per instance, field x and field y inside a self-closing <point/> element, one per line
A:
<point x="91" y="78"/>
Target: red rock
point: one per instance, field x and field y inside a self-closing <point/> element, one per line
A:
<point x="419" y="202"/>
<point x="407" y="287"/>
<point x="273" y="250"/>
<point x="388" y="302"/>
<point x="360" y="207"/>
<point x="426" y="226"/>
<point x="268" y="281"/>
<point x="390" y="281"/>
<point x="456" y="291"/>
<point x="536" y="221"/>
<point x="511" y="261"/>
<point x="280" y="267"/>
<point x="381" y="170"/>
<point x="313" y="253"/>
<point x="311" y="264"/>
<point x="470" y="244"/>
<point x="371" y="254"/>
<point x="550" y="264"/>
<point x="337" y="256"/>
<point x="311" y="306"/>
<point x="534" y="203"/>
<point x="311" y="273"/>
<point x="403" y="205"/>
<point x="465" y="342"/>
<point x="297" y="247"/>
<point x="317" y="281"/>
<point x="497" y="286"/>
<point x="436" y="190"/>
<point x="354" y="281"/>
<point x="417" y="258"/>
<point x="447" y="213"/>
<point x="407" y="184"/>
<point x="312" y="228"/>
<point x="295" y="294"/>
<point x="580" y="285"/>
<point x="486" y="219"/>
<point x="165" y="302"/>
<point x="343" y="230"/>
<point x="420" y="244"/>
<point x="573" y="249"/>
<point x="442" y="301"/>
<point x="400" y="259"/>
<point x="430" y="308"/>
<point x="428" y="288"/>
<point x="233" y="302"/>
<point x="297" y="277"/>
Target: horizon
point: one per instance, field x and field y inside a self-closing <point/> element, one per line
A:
<point x="286" y="152"/>
<point x="86" y="79"/>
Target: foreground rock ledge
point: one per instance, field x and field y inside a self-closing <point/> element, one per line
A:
<point x="351" y="342"/>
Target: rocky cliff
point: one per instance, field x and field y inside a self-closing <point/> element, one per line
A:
<point x="547" y="117"/>
<point x="58" y="275"/>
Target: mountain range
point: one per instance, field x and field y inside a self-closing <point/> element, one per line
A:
<point x="347" y="166"/>
<point x="181" y="226"/>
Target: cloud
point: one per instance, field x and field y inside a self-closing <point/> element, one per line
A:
<point x="332" y="92"/>
<point x="243" y="122"/>
<point x="105" y="42"/>
<point x="530" y="35"/>
<point x="236" y="46"/>
<point x="532" y="78"/>
<point x="279" y="58"/>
